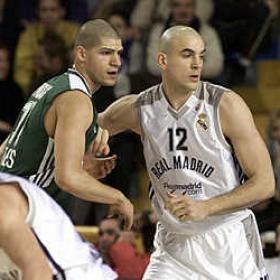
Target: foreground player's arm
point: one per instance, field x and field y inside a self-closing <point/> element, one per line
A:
<point x="121" y="115"/>
<point x="238" y="126"/>
<point x="74" y="115"/>
<point x="16" y="237"/>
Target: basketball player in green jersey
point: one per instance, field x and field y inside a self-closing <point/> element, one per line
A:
<point x="51" y="143"/>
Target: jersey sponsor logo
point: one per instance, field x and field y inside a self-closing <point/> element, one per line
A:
<point x="192" y="189"/>
<point x="182" y="162"/>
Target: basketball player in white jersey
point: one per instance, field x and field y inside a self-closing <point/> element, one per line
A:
<point x="39" y="238"/>
<point x="198" y="140"/>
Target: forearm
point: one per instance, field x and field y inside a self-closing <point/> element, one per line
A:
<point x="120" y="116"/>
<point x="244" y="196"/>
<point x="84" y="186"/>
<point x="4" y="126"/>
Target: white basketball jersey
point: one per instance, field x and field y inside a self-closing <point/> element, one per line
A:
<point x="63" y="246"/>
<point x="186" y="153"/>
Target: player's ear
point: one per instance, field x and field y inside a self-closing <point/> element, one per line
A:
<point x="162" y="60"/>
<point x="81" y="53"/>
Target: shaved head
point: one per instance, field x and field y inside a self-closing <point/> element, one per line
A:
<point x="92" y="32"/>
<point x="170" y="36"/>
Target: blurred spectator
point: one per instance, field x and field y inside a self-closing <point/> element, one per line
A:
<point x="11" y="98"/>
<point x="75" y="10"/>
<point x="147" y="12"/>
<point x="109" y="233"/>
<point x="51" y="14"/>
<point x="103" y="8"/>
<point x="10" y="26"/>
<point x="245" y="30"/>
<point x="52" y="59"/>
<point x="118" y="250"/>
<point x="183" y="13"/>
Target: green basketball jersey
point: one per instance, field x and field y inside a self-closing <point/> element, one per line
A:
<point x="30" y="151"/>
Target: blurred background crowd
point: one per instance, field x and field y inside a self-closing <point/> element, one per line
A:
<point x="243" y="52"/>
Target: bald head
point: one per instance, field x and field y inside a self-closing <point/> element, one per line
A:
<point x="92" y="32"/>
<point x="170" y="36"/>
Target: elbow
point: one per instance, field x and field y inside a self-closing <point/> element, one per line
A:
<point x="268" y="187"/>
<point x="271" y="190"/>
<point x="66" y="181"/>
<point x="105" y="122"/>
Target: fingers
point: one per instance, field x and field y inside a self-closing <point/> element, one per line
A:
<point x="100" y="145"/>
<point x="106" y="165"/>
<point x="128" y="221"/>
<point x="128" y="215"/>
<point x="109" y="166"/>
<point x="179" y="206"/>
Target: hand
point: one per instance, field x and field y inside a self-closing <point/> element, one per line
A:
<point x="124" y="209"/>
<point x="99" y="167"/>
<point x="99" y="146"/>
<point x="185" y="208"/>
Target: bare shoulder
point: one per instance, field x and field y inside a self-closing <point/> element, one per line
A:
<point x="231" y="101"/>
<point x="234" y="113"/>
<point x="75" y="104"/>
<point x="73" y="107"/>
<point x="73" y="98"/>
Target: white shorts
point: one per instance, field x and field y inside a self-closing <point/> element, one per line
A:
<point x="228" y="252"/>
<point x="98" y="271"/>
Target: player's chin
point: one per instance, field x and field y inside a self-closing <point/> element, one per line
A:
<point x="192" y="85"/>
<point x="109" y="82"/>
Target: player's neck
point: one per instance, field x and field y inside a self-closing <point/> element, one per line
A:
<point x="177" y="96"/>
<point x="92" y="86"/>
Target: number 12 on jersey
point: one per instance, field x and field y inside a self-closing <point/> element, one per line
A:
<point x="178" y="135"/>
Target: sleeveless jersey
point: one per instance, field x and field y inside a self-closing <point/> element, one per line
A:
<point x="29" y="151"/>
<point x="187" y="154"/>
<point x="62" y="245"/>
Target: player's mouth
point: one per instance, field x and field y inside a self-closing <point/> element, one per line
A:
<point x="113" y="74"/>
<point x="194" y="78"/>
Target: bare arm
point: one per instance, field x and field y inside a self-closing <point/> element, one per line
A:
<point x="73" y="118"/>
<point x="120" y="116"/>
<point x="5" y="126"/>
<point x="238" y="125"/>
<point x="22" y="248"/>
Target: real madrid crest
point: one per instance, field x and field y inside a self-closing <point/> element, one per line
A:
<point x="203" y="121"/>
